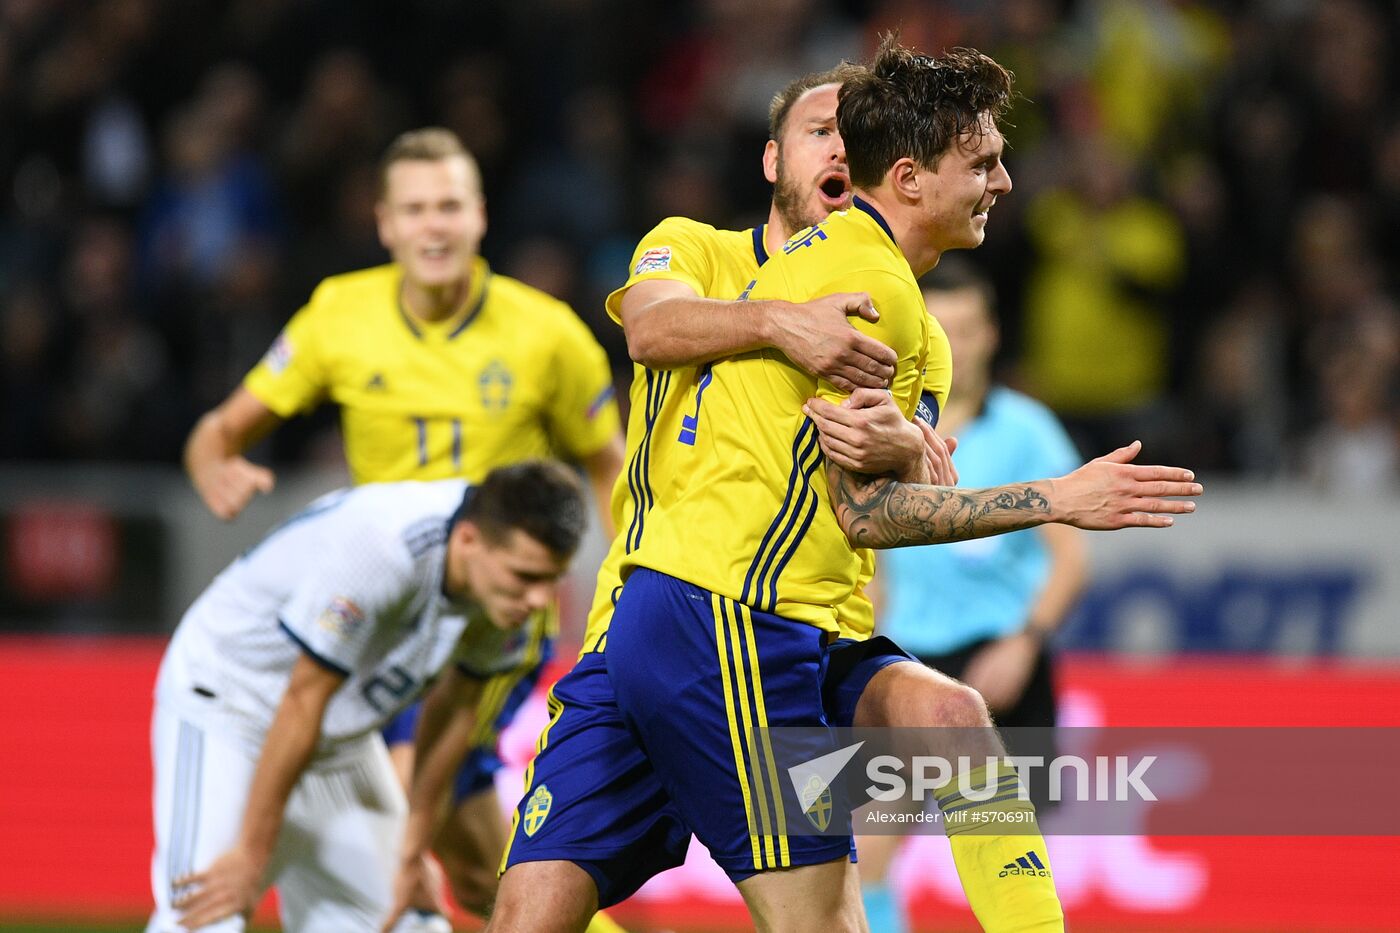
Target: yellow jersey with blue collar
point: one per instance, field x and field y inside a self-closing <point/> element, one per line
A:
<point x="513" y="374"/>
<point x="715" y="264"/>
<point x="750" y="516"/>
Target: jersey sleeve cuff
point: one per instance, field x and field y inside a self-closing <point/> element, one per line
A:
<point x="285" y="396"/>
<point x="312" y="653"/>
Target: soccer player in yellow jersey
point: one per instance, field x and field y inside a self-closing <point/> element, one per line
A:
<point x="676" y="315"/>
<point x="442" y="368"/>
<point x="634" y="761"/>
<point x="679" y="312"/>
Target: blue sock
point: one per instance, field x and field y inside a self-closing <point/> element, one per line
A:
<point x="882" y="909"/>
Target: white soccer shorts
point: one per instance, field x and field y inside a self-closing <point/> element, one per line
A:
<point x="336" y="856"/>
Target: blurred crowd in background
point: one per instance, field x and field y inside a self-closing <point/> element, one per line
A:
<point x="1201" y="249"/>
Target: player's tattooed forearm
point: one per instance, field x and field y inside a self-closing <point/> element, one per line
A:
<point x="877" y="511"/>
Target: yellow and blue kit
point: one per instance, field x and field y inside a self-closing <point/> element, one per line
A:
<point x="731" y="662"/>
<point x="511" y="375"/>
<point x="715" y="264"/>
<point x="751" y="520"/>
<point x="719" y="264"/>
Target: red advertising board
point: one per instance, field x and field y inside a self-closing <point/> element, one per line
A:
<point x="75" y="803"/>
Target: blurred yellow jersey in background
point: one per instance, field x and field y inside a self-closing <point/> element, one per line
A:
<point x="513" y="374"/>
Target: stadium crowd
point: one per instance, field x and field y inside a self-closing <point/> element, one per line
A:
<point x="1195" y="254"/>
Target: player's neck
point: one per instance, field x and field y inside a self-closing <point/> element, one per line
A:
<point x="432" y="303"/>
<point x="776" y="233"/>
<point x="904" y="226"/>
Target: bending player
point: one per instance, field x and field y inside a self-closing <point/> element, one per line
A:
<point x="442" y="368"/>
<point x="616" y="821"/>
<point x="269" y="767"/>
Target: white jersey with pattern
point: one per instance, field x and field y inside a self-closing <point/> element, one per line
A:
<point x="355" y="581"/>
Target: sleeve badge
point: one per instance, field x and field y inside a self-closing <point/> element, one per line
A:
<point x="278" y="356"/>
<point x="656" y="259"/>
<point x="341" y="618"/>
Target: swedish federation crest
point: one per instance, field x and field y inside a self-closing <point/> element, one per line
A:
<point x="816" y="803"/>
<point x="537" y="809"/>
<point x="812" y="779"/>
<point x="495" y="383"/>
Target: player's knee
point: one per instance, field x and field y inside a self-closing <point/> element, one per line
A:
<point x="954" y="704"/>
<point x="824" y="896"/>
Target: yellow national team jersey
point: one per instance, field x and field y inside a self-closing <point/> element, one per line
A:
<point x="752" y="520"/>
<point x="513" y="375"/>
<point x="715" y="264"/>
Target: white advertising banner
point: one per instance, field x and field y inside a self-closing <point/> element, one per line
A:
<point x="1278" y="570"/>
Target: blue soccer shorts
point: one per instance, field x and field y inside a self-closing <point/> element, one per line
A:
<point x="695" y="674"/>
<point x="591" y="796"/>
<point x="850" y="667"/>
<point x="652" y="739"/>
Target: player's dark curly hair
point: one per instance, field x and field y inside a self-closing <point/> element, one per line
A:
<point x="542" y="498"/>
<point x="910" y="105"/>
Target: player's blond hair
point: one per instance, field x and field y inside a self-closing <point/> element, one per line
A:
<point x="783" y="101"/>
<point x="429" y="144"/>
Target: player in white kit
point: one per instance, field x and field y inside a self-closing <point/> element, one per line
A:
<point x="269" y="766"/>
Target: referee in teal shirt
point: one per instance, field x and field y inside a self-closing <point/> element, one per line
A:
<point x="983" y="610"/>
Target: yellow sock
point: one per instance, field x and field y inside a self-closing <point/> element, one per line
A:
<point x="1006" y="878"/>
<point x="602" y="923"/>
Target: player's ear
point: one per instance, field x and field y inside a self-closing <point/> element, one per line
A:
<point x="770" y="161"/>
<point x="904" y="177"/>
<point x="466" y="534"/>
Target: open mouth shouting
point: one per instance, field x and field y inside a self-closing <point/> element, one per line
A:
<point x="834" y="190"/>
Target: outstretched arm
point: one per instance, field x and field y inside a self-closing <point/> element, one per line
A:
<point x="1105" y="494"/>
<point x="669" y="326"/>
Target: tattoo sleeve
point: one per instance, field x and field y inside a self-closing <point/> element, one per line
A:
<point x="881" y="512"/>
